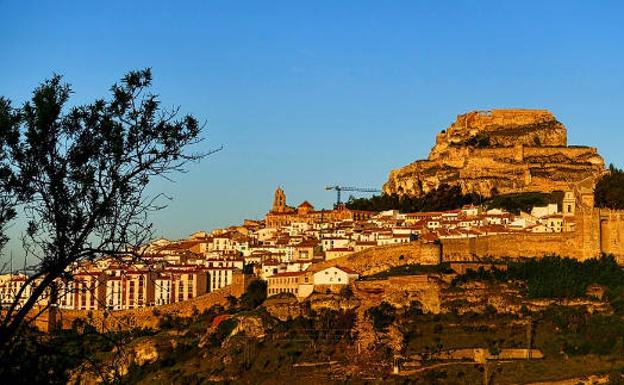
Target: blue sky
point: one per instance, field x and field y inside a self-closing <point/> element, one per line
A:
<point x="308" y="94"/>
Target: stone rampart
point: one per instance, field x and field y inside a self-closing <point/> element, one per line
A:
<point x="612" y="232"/>
<point x="377" y="259"/>
<point x="597" y="231"/>
<point x="510" y="245"/>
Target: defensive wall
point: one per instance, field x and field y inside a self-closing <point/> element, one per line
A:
<point x="597" y="231"/>
<point x="377" y="259"/>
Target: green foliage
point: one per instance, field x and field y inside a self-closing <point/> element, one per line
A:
<point x="255" y="294"/>
<point x="324" y="325"/>
<point x="609" y="191"/>
<point x="172" y="321"/>
<point x="382" y="316"/>
<point x="517" y="202"/>
<point x="583" y="333"/>
<point x="616" y="377"/>
<point x="92" y="164"/>
<point x="443" y="198"/>
<point x="35" y="358"/>
<point x="556" y="277"/>
<point x="232" y="301"/>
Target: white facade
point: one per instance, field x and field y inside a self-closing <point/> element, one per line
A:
<point x="219" y="278"/>
<point x="334" y="276"/>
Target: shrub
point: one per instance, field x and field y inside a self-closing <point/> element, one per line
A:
<point x="382" y="316"/>
<point x="224" y="329"/>
<point x="255" y="294"/>
<point x="609" y="191"/>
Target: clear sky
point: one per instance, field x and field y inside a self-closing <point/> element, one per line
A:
<point x="326" y="92"/>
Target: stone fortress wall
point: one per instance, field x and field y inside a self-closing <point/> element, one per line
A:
<point x="597" y="231"/>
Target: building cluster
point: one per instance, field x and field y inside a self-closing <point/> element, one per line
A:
<point x="279" y="249"/>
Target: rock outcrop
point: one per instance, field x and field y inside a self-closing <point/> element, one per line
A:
<point x="504" y="151"/>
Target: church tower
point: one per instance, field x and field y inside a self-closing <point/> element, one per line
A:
<point x="569" y="204"/>
<point x="279" y="202"/>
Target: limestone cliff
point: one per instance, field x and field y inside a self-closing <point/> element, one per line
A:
<point x="503" y="150"/>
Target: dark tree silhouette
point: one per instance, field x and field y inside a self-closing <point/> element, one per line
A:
<point x="610" y="190"/>
<point x="445" y="197"/>
<point x="79" y="175"/>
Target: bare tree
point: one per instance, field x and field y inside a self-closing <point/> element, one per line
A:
<point x="79" y="176"/>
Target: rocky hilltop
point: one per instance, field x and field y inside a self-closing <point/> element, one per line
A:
<point x="503" y="151"/>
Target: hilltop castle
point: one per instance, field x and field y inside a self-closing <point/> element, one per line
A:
<point x="498" y="152"/>
<point x="515" y="151"/>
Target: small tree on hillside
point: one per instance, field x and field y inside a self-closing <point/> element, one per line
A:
<point x="255" y="294"/>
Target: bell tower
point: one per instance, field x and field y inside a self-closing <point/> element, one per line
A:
<point x="569" y="204"/>
<point x="279" y="201"/>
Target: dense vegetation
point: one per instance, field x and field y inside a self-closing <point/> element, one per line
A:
<point x="515" y="203"/>
<point x="610" y="189"/>
<point x="382" y="316"/>
<point x="448" y="197"/>
<point x="37" y="358"/>
<point x="255" y="294"/>
<point x="443" y="198"/>
<point x="574" y="341"/>
<point x="556" y="277"/>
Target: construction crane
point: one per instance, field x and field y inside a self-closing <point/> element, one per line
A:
<point x="340" y="189"/>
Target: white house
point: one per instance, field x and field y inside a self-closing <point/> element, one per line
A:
<point x="544" y="211"/>
<point x="334" y="276"/>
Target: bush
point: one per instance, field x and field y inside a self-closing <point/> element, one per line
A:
<point x="224" y="329"/>
<point x="382" y="316"/>
<point x="609" y="191"/>
<point x="517" y="202"/>
<point x="255" y="294"/>
<point x="556" y="277"/>
<point x="443" y="198"/>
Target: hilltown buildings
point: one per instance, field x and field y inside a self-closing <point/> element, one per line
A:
<point x="279" y="249"/>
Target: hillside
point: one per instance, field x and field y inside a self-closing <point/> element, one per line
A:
<point x="443" y="328"/>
